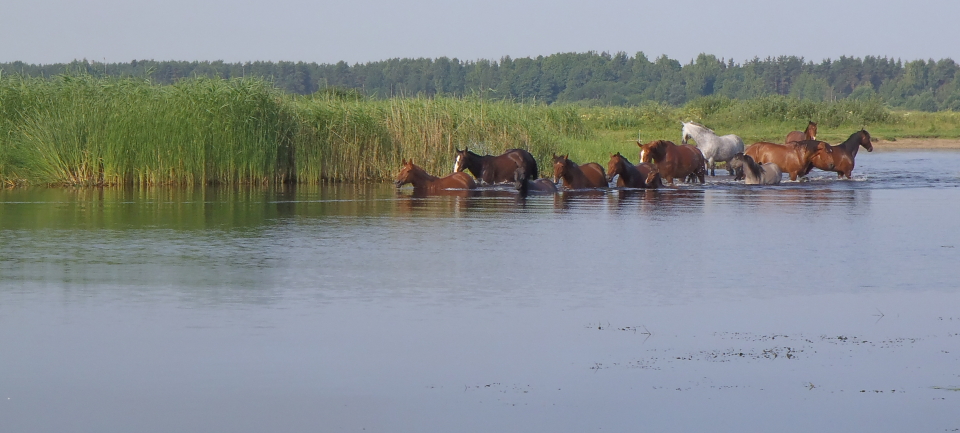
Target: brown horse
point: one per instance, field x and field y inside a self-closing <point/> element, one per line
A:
<point x="793" y="158"/>
<point x="642" y="175"/>
<point x="496" y="169"/>
<point x="674" y="161"/>
<point x="842" y="158"/>
<point x="809" y="134"/>
<point x="421" y="180"/>
<point x="589" y="175"/>
<point x="539" y="186"/>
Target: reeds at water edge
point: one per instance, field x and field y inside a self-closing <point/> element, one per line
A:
<point x="84" y="130"/>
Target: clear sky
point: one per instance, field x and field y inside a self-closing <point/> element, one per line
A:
<point x="358" y="31"/>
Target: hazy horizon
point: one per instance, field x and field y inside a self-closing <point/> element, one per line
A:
<point x="113" y="31"/>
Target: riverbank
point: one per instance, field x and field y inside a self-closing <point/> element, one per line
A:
<point x="918" y="144"/>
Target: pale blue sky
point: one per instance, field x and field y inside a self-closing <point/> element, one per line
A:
<point x="50" y="31"/>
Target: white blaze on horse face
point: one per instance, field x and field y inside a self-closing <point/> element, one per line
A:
<point x="456" y="164"/>
<point x="641" y="154"/>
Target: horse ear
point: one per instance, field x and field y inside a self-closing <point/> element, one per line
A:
<point x="403" y="161"/>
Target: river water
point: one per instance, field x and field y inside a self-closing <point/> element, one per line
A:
<point x="811" y="306"/>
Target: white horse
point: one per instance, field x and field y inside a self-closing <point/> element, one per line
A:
<point x="714" y="148"/>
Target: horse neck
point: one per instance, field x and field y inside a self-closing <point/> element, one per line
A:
<point x="852" y="144"/>
<point x="474" y="163"/>
<point x="702" y="136"/>
<point x="806" y="150"/>
<point x="626" y="170"/>
<point x="421" y="179"/>
<point x="752" y="167"/>
<point x="572" y="173"/>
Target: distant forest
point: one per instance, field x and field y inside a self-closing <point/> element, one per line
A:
<point x="589" y="78"/>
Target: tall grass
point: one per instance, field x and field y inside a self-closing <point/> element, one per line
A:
<point x="366" y="139"/>
<point x="83" y="130"/>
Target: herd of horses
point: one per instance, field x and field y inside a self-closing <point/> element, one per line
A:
<point x="661" y="162"/>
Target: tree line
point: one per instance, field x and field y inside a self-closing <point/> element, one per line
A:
<point x="589" y="78"/>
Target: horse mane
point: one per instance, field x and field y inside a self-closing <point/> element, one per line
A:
<point x="702" y="126"/>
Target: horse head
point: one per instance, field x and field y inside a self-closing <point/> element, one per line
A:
<point x="459" y="163"/>
<point x="652" y="151"/>
<point x="865" y="140"/>
<point x="406" y="173"/>
<point x="653" y="179"/>
<point x="684" y="132"/>
<point x="811" y="131"/>
<point x="614" y="166"/>
<point x="559" y="166"/>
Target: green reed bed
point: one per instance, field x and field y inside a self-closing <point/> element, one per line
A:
<point x="351" y="139"/>
<point x="81" y="130"/>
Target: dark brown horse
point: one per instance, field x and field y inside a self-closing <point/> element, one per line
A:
<point x="496" y="169"/>
<point x="844" y="154"/>
<point x="672" y="161"/>
<point x="539" y="186"/>
<point x="642" y="175"/>
<point x="793" y="158"/>
<point x="421" y="180"/>
<point x="809" y="134"/>
<point x="589" y="175"/>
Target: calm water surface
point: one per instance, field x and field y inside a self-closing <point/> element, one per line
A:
<point x="815" y="306"/>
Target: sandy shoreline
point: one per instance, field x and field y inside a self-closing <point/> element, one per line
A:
<point x="918" y="144"/>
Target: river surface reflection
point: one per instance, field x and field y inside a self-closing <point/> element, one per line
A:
<point x="813" y="306"/>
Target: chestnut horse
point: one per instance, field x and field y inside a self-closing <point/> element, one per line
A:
<point x="809" y="134"/>
<point x="793" y="158"/>
<point x="495" y="169"/>
<point x="756" y="174"/>
<point x="421" y="180"/>
<point x="844" y="154"/>
<point x="642" y="175"/>
<point x="674" y="161"/>
<point x="589" y="175"/>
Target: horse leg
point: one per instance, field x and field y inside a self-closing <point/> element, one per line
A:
<point x="713" y="167"/>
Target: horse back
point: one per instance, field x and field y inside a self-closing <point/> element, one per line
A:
<point x="503" y="168"/>
<point x="594" y="175"/>
<point x="795" y="136"/>
<point x="526" y="160"/>
<point x="458" y="180"/>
